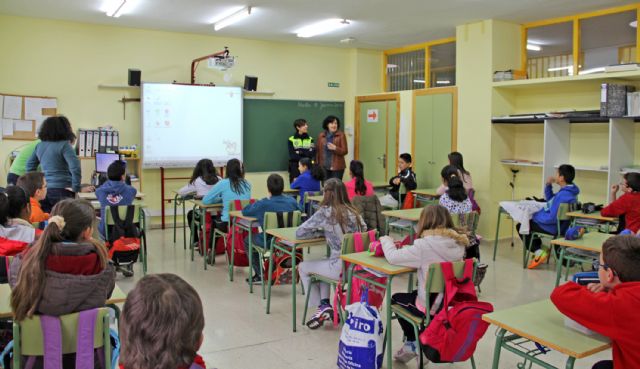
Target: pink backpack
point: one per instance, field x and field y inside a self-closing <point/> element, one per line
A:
<point x="453" y="333"/>
<point x="376" y="294"/>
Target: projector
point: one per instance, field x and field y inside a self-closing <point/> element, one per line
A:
<point x="221" y="63"/>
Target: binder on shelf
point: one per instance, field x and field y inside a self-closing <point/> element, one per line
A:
<point x="116" y="141"/>
<point x="82" y="136"/>
<point x="103" y="142"/>
<point x="613" y="99"/>
<point x="96" y="142"/>
<point x="89" y="144"/>
<point x="109" y="140"/>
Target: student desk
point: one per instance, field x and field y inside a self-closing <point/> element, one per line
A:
<point x="591" y="241"/>
<point x="412" y="215"/>
<point x="247" y="224"/>
<point x="117" y="297"/>
<point x="291" y="192"/>
<point x="285" y="240"/>
<point x="91" y="196"/>
<point x="181" y="200"/>
<point x="540" y="322"/>
<point x="501" y="211"/>
<point x="198" y="205"/>
<point x="380" y="266"/>
<point x="381" y="186"/>
<point x="424" y="195"/>
<point x="608" y="221"/>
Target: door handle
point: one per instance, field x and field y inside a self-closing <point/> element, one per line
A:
<point x="383" y="159"/>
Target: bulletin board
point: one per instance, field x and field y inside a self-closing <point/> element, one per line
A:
<point x="21" y="116"/>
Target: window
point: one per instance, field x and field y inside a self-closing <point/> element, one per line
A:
<point x="442" y="65"/>
<point x="550" y="50"/>
<point x="405" y="71"/>
<point x="606" y="40"/>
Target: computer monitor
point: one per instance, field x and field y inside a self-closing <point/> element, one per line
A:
<point x="103" y="160"/>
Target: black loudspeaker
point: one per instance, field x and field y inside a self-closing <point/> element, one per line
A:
<point x="134" y="77"/>
<point x="250" y="83"/>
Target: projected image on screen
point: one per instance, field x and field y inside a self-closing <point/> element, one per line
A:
<point x="182" y="124"/>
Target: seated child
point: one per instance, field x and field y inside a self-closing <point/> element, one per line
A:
<point x="275" y="202"/>
<point x="546" y="219"/>
<point x="628" y="205"/>
<point x="203" y="178"/>
<point x="406" y="176"/>
<point x="65" y="271"/>
<point x="455" y="159"/>
<point x="438" y="242"/>
<point x="455" y="198"/>
<point x="35" y="185"/>
<point x="16" y="232"/>
<point x="114" y="192"/>
<point x="335" y="217"/>
<point x="358" y="186"/>
<point x="309" y="179"/>
<point x="177" y="322"/>
<point x="611" y="306"/>
<point x="234" y="187"/>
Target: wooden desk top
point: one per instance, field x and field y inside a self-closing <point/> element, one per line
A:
<point x="541" y="322"/>
<point x="596" y="216"/>
<point x="591" y="241"/>
<point x="238" y="214"/>
<point x="96" y="204"/>
<point x="117" y="297"/>
<point x="379" y="264"/>
<point x="289" y="235"/>
<point x="428" y="192"/>
<point x="290" y="191"/>
<point x="406" y="214"/>
<point x="200" y="204"/>
<point x="92" y="195"/>
<point x="380" y="185"/>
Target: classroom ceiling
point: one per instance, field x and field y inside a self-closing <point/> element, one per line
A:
<point x="376" y="24"/>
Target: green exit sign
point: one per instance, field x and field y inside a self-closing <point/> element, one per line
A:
<point x="334" y="84"/>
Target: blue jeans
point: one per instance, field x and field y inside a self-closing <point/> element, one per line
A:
<point x="55" y="195"/>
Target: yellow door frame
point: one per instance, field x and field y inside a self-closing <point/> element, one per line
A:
<point x="377" y="98"/>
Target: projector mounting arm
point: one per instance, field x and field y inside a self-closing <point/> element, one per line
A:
<point x="194" y="64"/>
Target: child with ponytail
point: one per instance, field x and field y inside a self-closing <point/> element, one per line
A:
<point x="358" y="186"/>
<point x="455" y="198"/>
<point x="65" y="270"/>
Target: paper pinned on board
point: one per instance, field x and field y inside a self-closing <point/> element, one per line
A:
<point x="23" y="125"/>
<point x="33" y="107"/>
<point x="12" y="108"/>
<point x="7" y="127"/>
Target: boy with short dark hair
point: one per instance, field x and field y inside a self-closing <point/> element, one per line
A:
<point x="546" y="219"/>
<point x="300" y="146"/>
<point x="114" y="192"/>
<point x="611" y="306"/>
<point x="406" y="176"/>
<point x="628" y="205"/>
<point x="35" y="185"/>
<point x="275" y="202"/>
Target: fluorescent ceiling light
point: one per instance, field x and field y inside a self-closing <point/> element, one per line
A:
<point x="533" y="47"/>
<point x="233" y="18"/>
<point x="113" y="8"/>
<point x="634" y="24"/>
<point x="443" y="82"/>
<point x="592" y="70"/>
<point x="418" y="81"/>
<point x="319" y="28"/>
<point x="556" y="69"/>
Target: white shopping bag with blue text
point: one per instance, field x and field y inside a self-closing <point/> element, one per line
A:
<point x="362" y="339"/>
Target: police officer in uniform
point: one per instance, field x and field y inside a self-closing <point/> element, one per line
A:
<point x="300" y="146"/>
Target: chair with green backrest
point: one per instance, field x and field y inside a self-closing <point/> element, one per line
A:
<point x="177" y="201"/>
<point x="307" y="206"/>
<point x="348" y="247"/>
<point x="28" y="338"/>
<point x="467" y="220"/>
<point x="401" y="226"/>
<point x="273" y="220"/>
<point x="434" y="284"/>
<point x="561" y="217"/>
<point x="138" y="220"/>
<point x="219" y="233"/>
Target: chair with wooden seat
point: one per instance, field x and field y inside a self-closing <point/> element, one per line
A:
<point x="434" y="284"/>
<point x="28" y="338"/>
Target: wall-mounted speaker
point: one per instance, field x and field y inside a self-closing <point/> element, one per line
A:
<point x="250" y="83"/>
<point x="134" y="77"/>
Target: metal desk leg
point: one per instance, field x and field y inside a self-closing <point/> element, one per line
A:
<point x="570" y="362"/>
<point x="184" y="225"/>
<point x="293" y="285"/>
<point x="193" y="231"/>
<point x="205" y="238"/>
<point x="250" y="248"/>
<point x="349" y="279"/>
<point x="175" y="214"/>
<point x="495" y="242"/>
<point x="498" y="348"/>
<point x="559" y="266"/>
<point x="388" y="323"/>
<point x="271" y="249"/>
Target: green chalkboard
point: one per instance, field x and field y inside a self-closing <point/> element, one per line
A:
<point x="268" y="124"/>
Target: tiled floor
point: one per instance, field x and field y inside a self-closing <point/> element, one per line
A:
<point x="238" y="333"/>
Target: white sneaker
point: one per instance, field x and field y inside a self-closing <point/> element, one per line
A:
<point x="406" y="353"/>
<point x="389" y="201"/>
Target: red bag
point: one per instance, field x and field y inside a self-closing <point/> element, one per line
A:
<point x="376" y="294"/>
<point x="282" y="273"/>
<point x="408" y="200"/>
<point x="209" y="227"/>
<point x="124" y="244"/>
<point x="453" y="333"/>
<point x="240" y="258"/>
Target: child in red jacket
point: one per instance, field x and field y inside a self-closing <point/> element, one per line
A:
<point x="611" y="306"/>
<point x="628" y="205"/>
<point x="161" y="325"/>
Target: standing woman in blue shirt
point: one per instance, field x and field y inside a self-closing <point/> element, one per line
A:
<point x="58" y="161"/>
<point x="233" y="187"/>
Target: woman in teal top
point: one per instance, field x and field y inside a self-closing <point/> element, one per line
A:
<point x="19" y="165"/>
<point x="234" y="187"/>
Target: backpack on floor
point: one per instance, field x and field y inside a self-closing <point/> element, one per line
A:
<point x="362" y="339"/>
<point x="124" y="237"/>
<point x="208" y="223"/>
<point x="282" y="273"/>
<point x="453" y="333"/>
<point x="375" y="294"/>
<point x="235" y="240"/>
